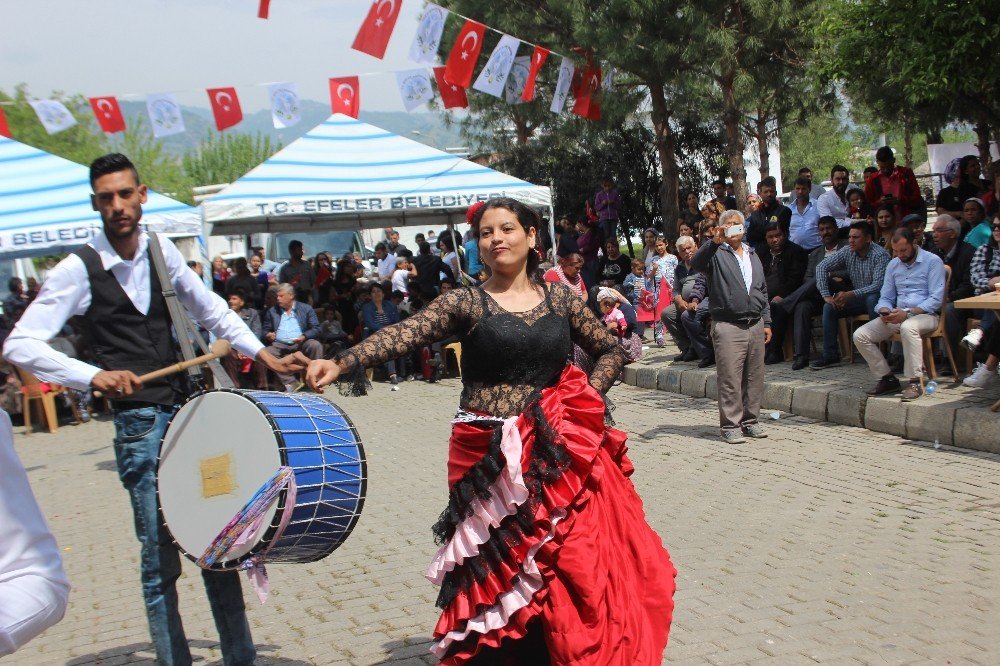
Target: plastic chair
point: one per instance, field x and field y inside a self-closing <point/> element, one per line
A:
<point x="456" y="349"/>
<point x="44" y="395"/>
<point x="939" y="332"/>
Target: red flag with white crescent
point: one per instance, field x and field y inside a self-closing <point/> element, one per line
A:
<point x="587" y="104"/>
<point x="263" y="9"/>
<point x="4" y="128"/>
<point x="452" y="94"/>
<point x="373" y="35"/>
<point x="465" y="52"/>
<point x="538" y="58"/>
<point x="108" y="113"/>
<point x="345" y="96"/>
<point x="225" y="107"/>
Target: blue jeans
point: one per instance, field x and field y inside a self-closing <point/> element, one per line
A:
<point x="138" y="432"/>
<point x="831" y="321"/>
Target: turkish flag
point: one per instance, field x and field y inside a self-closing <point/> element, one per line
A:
<point x="452" y="94"/>
<point x="263" y="9"/>
<point x="465" y="52"/>
<point x="225" y="107"/>
<point x="345" y="96"/>
<point x="587" y="104"/>
<point x="4" y="128"/>
<point x="373" y="36"/>
<point x="108" y="113"/>
<point x="538" y="58"/>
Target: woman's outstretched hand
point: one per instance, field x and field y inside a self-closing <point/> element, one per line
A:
<point x="321" y="373"/>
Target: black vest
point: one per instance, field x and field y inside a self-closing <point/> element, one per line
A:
<point x="122" y="338"/>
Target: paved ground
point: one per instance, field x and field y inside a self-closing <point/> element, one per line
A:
<point x="820" y="544"/>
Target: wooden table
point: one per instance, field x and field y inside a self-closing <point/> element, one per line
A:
<point x="987" y="301"/>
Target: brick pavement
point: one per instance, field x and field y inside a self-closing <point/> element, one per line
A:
<point x="821" y="544"/>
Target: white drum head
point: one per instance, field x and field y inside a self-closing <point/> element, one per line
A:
<point x="217" y="452"/>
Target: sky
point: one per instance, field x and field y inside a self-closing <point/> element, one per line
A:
<point x="131" y="48"/>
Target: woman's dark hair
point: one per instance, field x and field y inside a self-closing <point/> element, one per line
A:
<point x="376" y="285"/>
<point x="526" y="215"/>
<point x="887" y="207"/>
<point x="448" y="241"/>
<point x="963" y="164"/>
<point x="240" y="266"/>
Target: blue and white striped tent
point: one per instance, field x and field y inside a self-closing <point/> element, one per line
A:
<point x="45" y="205"/>
<point x="346" y="174"/>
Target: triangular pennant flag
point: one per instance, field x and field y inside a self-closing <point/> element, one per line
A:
<point x="53" y="114"/>
<point x="494" y="75"/>
<point x="427" y="41"/>
<point x="345" y="96"/>
<point x="264" y="9"/>
<point x="225" y="107"/>
<point x="562" y="86"/>
<point x="519" y="71"/>
<point x="285" y="107"/>
<point x="4" y="127"/>
<point x="164" y="115"/>
<point x="465" y="52"/>
<point x="587" y="105"/>
<point x="452" y="95"/>
<point x="538" y="58"/>
<point x="373" y="36"/>
<point x="108" y="113"/>
<point x="414" y="88"/>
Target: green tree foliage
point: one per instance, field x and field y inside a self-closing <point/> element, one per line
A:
<point x="157" y="168"/>
<point x="223" y="158"/>
<point x="81" y="143"/>
<point x="820" y="142"/>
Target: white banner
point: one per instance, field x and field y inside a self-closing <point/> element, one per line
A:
<point x="53" y="114"/>
<point x="414" y="88"/>
<point x="426" y="42"/>
<point x="494" y="75"/>
<point x="285" y="108"/>
<point x="164" y="115"/>
<point x="562" y="86"/>
<point x="516" y="79"/>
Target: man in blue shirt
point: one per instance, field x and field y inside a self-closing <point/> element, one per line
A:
<point x="803" y="229"/>
<point x="910" y="304"/>
<point x="291" y="326"/>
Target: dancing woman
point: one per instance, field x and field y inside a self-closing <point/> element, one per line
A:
<point x="546" y="556"/>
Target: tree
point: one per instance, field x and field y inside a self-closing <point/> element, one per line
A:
<point x="157" y="168"/>
<point x="82" y="143"/>
<point x="820" y="142"/>
<point x="223" y="158"/>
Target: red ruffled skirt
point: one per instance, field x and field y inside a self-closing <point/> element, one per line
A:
<point x="590" y="573"/>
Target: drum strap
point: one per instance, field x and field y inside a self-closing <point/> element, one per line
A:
<point x="183" y="326"/>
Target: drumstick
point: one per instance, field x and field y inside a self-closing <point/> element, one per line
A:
<point x="219" y="349"/>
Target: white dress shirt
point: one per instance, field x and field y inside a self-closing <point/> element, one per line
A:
<point x="830" y="204"/>
<point x="33" y="585"/>
<point x="746" y="266"/>
<point x="66" y="293"/>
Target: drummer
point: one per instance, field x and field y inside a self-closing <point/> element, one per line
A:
<point x="111" y="284"/>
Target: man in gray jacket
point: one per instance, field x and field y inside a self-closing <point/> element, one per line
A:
<point x="741" y="325"/>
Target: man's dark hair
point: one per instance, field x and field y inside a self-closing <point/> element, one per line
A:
<point x="773" y="226"/>
<point x="111" y="163"/>
<point x="381" y="246"/>
<point x="242" y="293"/>
<point x="396" y="293"/>
<point x="256" y="248"/>
<point x="769" y="181"/>
<point x="424" y="247"/>
<point x="885" y="154"/>
<point x="720" y="181"/>
<point x="292" y="244"/>
<point x="838" y="167"/>
<point x="869" y="171"/>
<point x="802" y="180"/>
<point x="805" y="170"/>
<point x="903" y="232"/>
<point x="864" y="227"/>
<point x="14" y="284"/>
<point x="419" y="237"/>
<point x="376" y="285"/>
<point x="826" y="219"/>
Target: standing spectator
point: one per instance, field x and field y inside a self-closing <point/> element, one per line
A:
<point x="15" y="302"/>
<point x="297" y="272"/>
<point x="378" y="313"/>
<point x="648" y="251"/>
<point x="893" y="185"/>
<point x="608" y="204"/>
<point x="741" y="326"/>
<point x="385" y="262"/>
<point x="567" y="272"/>
<point x="803" y="226"/>
<point x="589" y="242"/>
<point x="801" y="304"/>
<point x="753" y="205"/>
<point x="664" y="265"/>
<point x="633" y="285"/>
<point x="291" y="326"/>
<point x="964" y="183"/>
<point x="220" y="273"/>
<point x="451" y="259"/>
<point x="393" y="245"/>
<point x="471" y="246"/>
<point x="264" y="279"/>
<point x="686" y="280"/>
<point x="723" y="201"/>
<point x="265" y="264"/>
<point x="816" y="190"/>
<point x="691" y="213"/>
<point x="784" y="265"/>
<point x="344" y="282"/>
<point x="242" y="280"/>
<point x="771" y="210"/>
<point x="978" y="227"/>
<point x="865" y="262"/>
<point x="613" y="266"/>
<point x="833" y="203"/>
<point x="429" y="268"/>
<point x="323" y="286"/>
<point x="402" y="275"/>
<point x="909" y="304"/>
<point x="567" y="239"/>
<point x="957" y="256"/>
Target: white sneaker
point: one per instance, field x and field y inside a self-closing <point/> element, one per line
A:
<point x="972" y="339"/>
<point x="981" y="376"/>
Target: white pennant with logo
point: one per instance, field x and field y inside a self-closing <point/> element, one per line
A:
<point x="427" y="40"/>
<point x="164" y="115"/>
<point x="285" y="108"/>
<point x="414" y="88"/>
<point x="494" y="75"/>
<point x="53" y="115"/>
<point x="516" y="79"/>
<point x="566" y="69"/>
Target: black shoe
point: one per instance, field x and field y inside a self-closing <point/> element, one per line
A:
<point x="706" y="362"/>
<point x="773" y="359"/>
<point x="690" y="355"/>
<point x="824" y="363"/>
<point x="680" y="357"/>
<point x="895" y="363"/>
<point x="800" y="362"/>
<point x="886" y="386"/>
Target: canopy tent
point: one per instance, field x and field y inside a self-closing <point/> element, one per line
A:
<point x="346" y="174"/>
<point x="45" y="205"/>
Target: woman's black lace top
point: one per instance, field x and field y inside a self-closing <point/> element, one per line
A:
<point x="506" y="356"/>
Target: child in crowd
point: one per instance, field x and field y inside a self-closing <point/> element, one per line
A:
<point x="634" y="283"/>
<point x="401" y="276"/>
<point x="613" y="317"/>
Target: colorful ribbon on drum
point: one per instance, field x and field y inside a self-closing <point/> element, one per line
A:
<point x="246" y="524"/>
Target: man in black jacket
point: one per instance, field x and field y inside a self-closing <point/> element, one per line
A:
<point x="784" y="265"/>
<point x="429" y="268"/>
<point x="741" y="325"/>
<point x="771" y="210"/>
<point x="958" y="256"/>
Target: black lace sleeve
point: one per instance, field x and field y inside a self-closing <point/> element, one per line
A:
<point x="593" y="336"/>
<point x="444" y="316"/>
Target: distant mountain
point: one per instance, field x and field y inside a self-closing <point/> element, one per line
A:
<point x="428" y="127"/>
